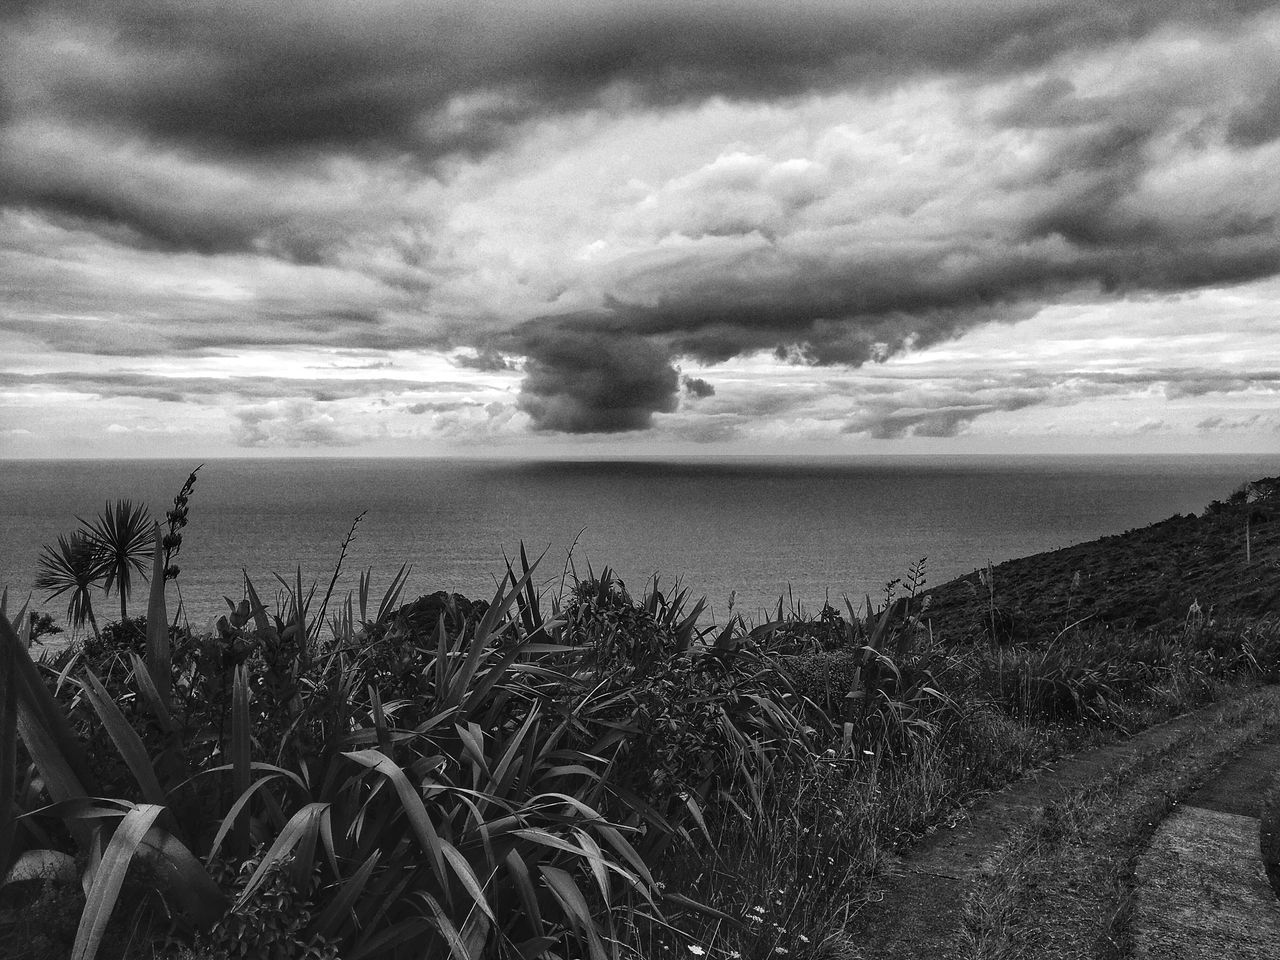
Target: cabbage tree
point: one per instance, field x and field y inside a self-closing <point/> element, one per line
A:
<point x="123" y="535"/>
<point x="75" y="565"/>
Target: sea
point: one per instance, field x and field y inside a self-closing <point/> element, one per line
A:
<point x="743" y="532"/>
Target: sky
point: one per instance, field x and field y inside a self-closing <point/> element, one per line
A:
<point x="632" y="227"/>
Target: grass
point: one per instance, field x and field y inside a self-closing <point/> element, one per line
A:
<point x="583" y="774"/>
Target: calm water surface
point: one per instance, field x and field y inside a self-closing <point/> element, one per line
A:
<point x="754" y="529"/>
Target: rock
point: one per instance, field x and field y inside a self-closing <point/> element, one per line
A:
<point x="43" y="865"/>
<point x="422" y="615"/>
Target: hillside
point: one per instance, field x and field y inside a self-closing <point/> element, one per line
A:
<point x="1143" y="577"/>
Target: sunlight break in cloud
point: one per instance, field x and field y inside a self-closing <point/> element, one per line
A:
<point x="640" y="219"/>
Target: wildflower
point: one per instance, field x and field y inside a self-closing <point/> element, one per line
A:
<point x="696" y="950"/>
<point x="803" y="938"/>
<point x="781" y="951"/>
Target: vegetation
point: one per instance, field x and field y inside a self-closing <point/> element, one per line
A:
<point x="595" y="774"/>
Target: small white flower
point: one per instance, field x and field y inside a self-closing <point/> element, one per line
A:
<point x="696" y="950"/>
<point x="803" y="938"/>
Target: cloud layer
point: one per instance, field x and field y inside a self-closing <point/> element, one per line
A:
<point x="582" y="200"/>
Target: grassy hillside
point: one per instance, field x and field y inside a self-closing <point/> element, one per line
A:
<point x="1148" y="577"/>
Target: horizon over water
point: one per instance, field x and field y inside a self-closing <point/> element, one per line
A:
<point x="824" y="527"/>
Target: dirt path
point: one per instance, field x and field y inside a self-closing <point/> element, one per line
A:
<point x="1058" y="866"/>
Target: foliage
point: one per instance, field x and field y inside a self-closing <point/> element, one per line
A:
<point x="693" y="725"/>
<point x="588" y="775"/>
<point x="42" y="625"/>
<point x="121" y="536"/>
<point x="473" y="829"/>
<point x="73" y="565"/>
<point x="274" y="923"/>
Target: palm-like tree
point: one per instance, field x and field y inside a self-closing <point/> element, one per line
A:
<point x="73" y="565"/>
<point x="123" y="535"/>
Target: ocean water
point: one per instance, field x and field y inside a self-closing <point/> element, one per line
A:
<point x="753" y="530"/>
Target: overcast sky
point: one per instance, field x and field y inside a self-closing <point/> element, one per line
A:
<point x="638" y="226"/>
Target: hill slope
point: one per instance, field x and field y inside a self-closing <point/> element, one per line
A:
<point x="1143" y="577"/>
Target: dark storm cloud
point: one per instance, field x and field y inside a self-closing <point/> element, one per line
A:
<point x="230" y="124"/>
<point x="258" y="76"/>
<point x="148" y="224"/>
<point x="486" y="361"/>
<point x="582" y="380"/>
<point x="697" y="388"/>
<point x="851" y="306"/>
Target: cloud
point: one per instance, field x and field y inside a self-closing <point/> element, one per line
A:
<point x="578" y="380"/>
<point x="485" y="360"/>
<point x="289" y="424"/>
<point x="592" y="194"/>
<point x="257" y="77"/>
<point x="1193" y="385"/>
<point x="697" y="388"/>
<point x="1220" y="424"/>
<point x="178" y="389"/>
<point x="942" y="414"/>
<point x="444" y="406"/>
